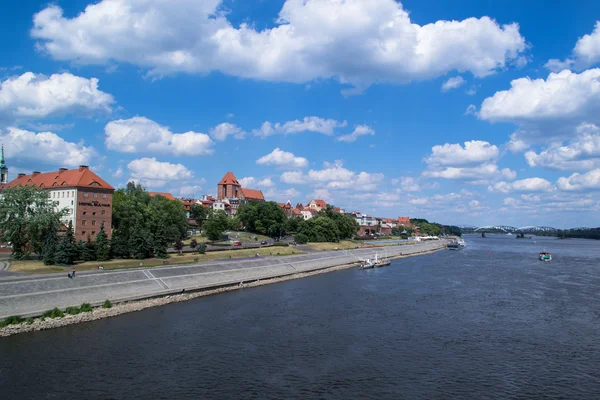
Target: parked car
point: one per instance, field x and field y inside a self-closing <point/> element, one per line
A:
<point x="238" y="243"/>
<point x="264" y="242"/>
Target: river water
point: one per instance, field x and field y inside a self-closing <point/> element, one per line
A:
<point x="489" y="321"/>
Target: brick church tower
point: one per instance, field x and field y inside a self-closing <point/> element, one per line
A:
<point x="229" y="187"/>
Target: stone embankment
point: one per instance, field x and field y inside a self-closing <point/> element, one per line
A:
<point x="124" y="307"/>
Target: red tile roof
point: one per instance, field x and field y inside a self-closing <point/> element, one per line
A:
<point x="295" y="211"/>
<point x="319" y="203"/>
<point x="229" y="179"/>
<point x="82" y="177"/>
<point x="163" y="194"/>
<point x="252" y="194"/>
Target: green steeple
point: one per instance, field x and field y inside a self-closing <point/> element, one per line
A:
<point x="2" y="164"/>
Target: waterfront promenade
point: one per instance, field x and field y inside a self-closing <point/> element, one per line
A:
<point x="33" y="295"/>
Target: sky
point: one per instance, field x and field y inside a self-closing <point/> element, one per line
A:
<point x="466" y="112"/>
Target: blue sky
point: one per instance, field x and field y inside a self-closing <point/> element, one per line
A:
<point x="464" y="112"/>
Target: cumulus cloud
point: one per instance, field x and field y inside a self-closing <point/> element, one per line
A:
<point x="45" y="147"/>
<point x="581" y="153"/>
<point x="282" y="158"/>
<point x="360" y="130"/>
<point x="282" y="195"/>
<point x="585" y="53"/>
<point x="153" y="173"/>
<point x="37" y="96"/>
<point x="335" y="176"/>
<point x="578" y="182"/>
<point x="407" y="184"/>
<point x="189" y="191"/>
<point x="473" y="152"/>
<point x="480" y="174"/>
<point x="251" y="182"/>
<point x="356" y="42"/>
<point x="142" y="135"/>
<point x="222" y="131"/>
<point x="523" y="185"/>
<point x="308" y="124"/>
<point x="292" y="177"/>
<point x="453" y="83"/>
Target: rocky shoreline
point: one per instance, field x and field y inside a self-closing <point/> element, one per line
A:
<point x="138" y="305"/>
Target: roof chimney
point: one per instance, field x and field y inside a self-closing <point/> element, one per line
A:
<point x="34" y="173"/>
<point x="61" y="170"/>
<point x="82" y="167"/>
<point x="20" y="175"/>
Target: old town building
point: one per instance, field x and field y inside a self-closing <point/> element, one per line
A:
<point x="230" y="191"/>
<point x="86" y="196"/>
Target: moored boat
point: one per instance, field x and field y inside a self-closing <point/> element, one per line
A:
<point x="545" y="256"/>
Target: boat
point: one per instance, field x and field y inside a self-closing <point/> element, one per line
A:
<point x="453" y="246"/>
<point x="545" y="256"/>
<point x="461" y="242"/>
<point x="379" y="262"/>
<point x="509" y="234"/>
<point x="366" y="264"/>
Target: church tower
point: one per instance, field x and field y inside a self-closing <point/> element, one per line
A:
<point x="3" y="169"/>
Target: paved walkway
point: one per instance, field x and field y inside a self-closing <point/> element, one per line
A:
<point x="32" y="295"/>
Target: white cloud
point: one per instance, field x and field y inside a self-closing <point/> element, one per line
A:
<point x="308" y="124"/>
<point x="481" y="174"/>
<point x="281" y="195"/>
<point x="360" y="130"/>
<point x="585" y="53"/>
<point x="563" y="95"/>
<point x="222" y="131"/>
<point x="153" y="173"/>
<point x="453" y="83"/>
<point x="118" y="173"/>
<point x="408" y="184"/>
<point x="251" y="182"/>
<point x="142" y="135"/>
<point x="474" y="152"/>
<point x="335" y="176"/>
<point x="282" y="158"/>
<point x="356" y="42"/>
<point x="45" y="147"/>
<point x="523" y="185"/>
<point x="292" y="177"/>
<point x="37" y="96"/>
<point x="516" y="144"/>
<point x="190" y="191"/>
<point x="581" y="153"/>
<point x="471" y="110"/>
<point x="577" y="182"/>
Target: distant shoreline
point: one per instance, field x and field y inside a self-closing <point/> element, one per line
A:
<point x="139" y="305"/>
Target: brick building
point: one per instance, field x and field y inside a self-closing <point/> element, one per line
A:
<point x="230" y="191"/>
<point x="86" y="196"/>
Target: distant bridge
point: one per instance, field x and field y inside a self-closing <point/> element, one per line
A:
<point x="512" y="229"/>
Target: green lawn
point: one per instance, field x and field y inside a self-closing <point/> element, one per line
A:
<point x="245" y="237"/>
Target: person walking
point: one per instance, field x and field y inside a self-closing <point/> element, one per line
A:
<point x="73" y="274"/>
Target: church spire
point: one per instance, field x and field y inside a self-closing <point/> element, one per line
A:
<point x="3" y="168"/>
<point x="2" y="164"/>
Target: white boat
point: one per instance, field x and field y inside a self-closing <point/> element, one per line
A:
<point x="509" y="234"/>
<point x="461" y="242"/>
<point x="545" y="256"/>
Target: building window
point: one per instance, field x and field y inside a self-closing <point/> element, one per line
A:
<point x="103" y="212"/>
<point x="95" y="195"/>
<point x="103" y="195"/>
<point x="83" y="233"/>
<point x="93" y="233"/>
<point x="71" y="202"/>
<point x="85" y="194"/>
<point x="68" y="194"/>
<point x="84" y="213"/>
<point x="83" y="222"/>
<point x="63" y="195"/>
<point x="72" y="193"/>
<point x="94" y="213"/>
<point x="93" y="222"/>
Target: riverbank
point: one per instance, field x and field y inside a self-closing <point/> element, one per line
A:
<point x="131" y="306"/>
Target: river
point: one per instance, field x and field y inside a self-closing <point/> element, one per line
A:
<point x="488" y="321"/>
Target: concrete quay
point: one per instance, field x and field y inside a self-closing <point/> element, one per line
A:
<point x="30" y="296"/>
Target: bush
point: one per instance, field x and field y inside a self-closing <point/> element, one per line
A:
<point x="85" y="307"/>
<point x="301" y="238"/>
<point x="12" y="320"/>
<point x="72" y="310"/>
<point x="107" y="304"/>
<point x="201" y="248"/>
<point x="29" y="321"/>
<point x="54" y="313"/>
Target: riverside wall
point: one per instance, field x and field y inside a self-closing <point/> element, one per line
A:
<point x="31" y="296"/>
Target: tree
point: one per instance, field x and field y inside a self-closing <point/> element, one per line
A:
<point x="27" y="217"/>
<point x="263" y="218"/>
<point x="198" y="213"/>
<point x="301" y="238"/>
<point x="89" y="252"/>
<point x="119" y="244"/>
<point x="140" y="242"/>
<point x="66" y="251"/>
<point x="102" y="247"/>
<point x="161" y="242"/>
<point x="50" y="246"/>
<point x="193" y="244"/>
<point x="215" y="225"/>
<point x="201" y="248"/>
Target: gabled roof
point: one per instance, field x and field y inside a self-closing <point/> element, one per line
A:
<point x="319" y="203"/>
<point x="81" y="177"/>
<point x="295" y="211"/>
<point x="163" y="194"/>
<point x="229" y="179"/>
<point x="253" y="194"/>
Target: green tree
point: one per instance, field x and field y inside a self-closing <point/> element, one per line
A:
<point x="161" y="242"/>
<point x="66" y="251"/>
<point x="198" y="213"/>
<point x="119" y="244"/>
<point x="201" y="248"/>
<point x="264" y="218"/>
<point x="50" y="246"/>
<point x="27" y="216"/>
<point x="178" y="245"/>
<point x="102" y="246"/>
<point x="215" y="225"/>
<point x="193" y="244"/>
<point x="89" y="252"/>
<point x="140" y="242"/>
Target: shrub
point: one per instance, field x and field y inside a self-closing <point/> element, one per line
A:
<point x="201" y="248"/>
<point x="107" y="304"/>
<point x="85" y="307"/>
<point x="29" y="321"/>
<point x="54" y="313"/>
<point x="301" y="238"/>
<point x="72" y="310"/>
<point x="12" y="320"/>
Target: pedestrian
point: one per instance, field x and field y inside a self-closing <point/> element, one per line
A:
<point x="73" y="274"/>
<point x="100" y="267"/>
<point x="69" y="275"/>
